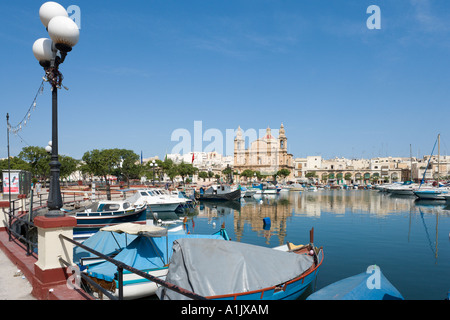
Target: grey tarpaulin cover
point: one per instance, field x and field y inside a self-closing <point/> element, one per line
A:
<point x="213" y="267"/>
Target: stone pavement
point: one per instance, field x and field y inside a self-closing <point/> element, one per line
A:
<point x="13" y="284"/>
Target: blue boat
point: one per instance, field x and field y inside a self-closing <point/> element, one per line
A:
<point x="149" y="252"/>
<point x="369" y="285"/>
<point x="230" y="270"/>
<point x="108" y="212"/>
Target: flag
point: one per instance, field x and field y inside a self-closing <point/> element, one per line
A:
<point x="141" y="158"/>
<point x="193" y="157"/>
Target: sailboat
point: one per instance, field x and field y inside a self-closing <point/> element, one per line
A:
<point x="436" y="193"/>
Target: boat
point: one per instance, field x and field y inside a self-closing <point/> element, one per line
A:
<point x="247" y="271"/>
<point x="246" y="192"/>
<point x="369" y="285"/>
<point x="311" y="188"/>
<point x="106" y="212"/>
<point x="438" y="192"/>
<point x="149" y="252"/>
<point x="218" y="192"/>
<point x="432" y="194"/>
<point x="407" y="188"/>
<point x="154" y="199"/>
<point x="266" y="189"/>
<point x="296" y="187"/>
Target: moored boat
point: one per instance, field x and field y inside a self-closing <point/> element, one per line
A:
<point x="107" y="212"/>
<point x="218" y="192"/>
<point x="149" y="252"/>
<point x="432" y="194"/>
<point x="247" y="272"/>
<point x="369" y="285"/>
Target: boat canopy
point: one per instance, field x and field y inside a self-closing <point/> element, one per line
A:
<point x="137" y="229"/>
<point x="143" y="253"/>
<point x="212" y="267"/>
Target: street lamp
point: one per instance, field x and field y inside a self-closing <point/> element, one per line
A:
<point x="50" y="53"/>
<point x="154" y="165"/>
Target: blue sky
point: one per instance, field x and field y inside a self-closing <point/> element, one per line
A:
<point x="143" y="69"/>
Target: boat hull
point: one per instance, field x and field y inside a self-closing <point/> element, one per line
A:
<point x="101" y="219"/>
<point x="291" y="290"/>
<point x="431" y="194"/>
<point x="163" y="207"/>
<point x="234" y="195"/>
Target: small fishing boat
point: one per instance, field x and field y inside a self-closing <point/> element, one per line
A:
<point x="149" y="252"/>
<point x="247" y="272"/>
<point x="106" y="212"/>
<point x="218" y="192"/>
<point x="369" y="285"/>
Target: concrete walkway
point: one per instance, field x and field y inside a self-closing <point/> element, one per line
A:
<point x="13" y="284"/>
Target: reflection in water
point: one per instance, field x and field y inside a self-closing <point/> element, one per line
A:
<point x="391" y="231"/>
<point x="281" y="208"/>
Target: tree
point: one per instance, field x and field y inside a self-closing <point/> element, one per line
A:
<point x="203" y="175"/>
<point x="15" y="164"/>
<point x="227" y="173"/>
<point x="186" y="169"/>
<point x="129" y="167"/>
<point x="102" y="163"/>
<point x="311" y="174"/>
<point x="283" y="173"/>
<point x="247" y="173"/>
<point x="39" y="161"/>
<point x="68" y="166"/>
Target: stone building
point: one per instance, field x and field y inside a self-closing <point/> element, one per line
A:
<point x="267" y="154"/>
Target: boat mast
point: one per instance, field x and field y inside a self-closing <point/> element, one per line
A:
<point x="410" y="157"/>
<point x="439" y="153"/>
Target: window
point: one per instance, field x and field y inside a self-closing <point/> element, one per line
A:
<point x="111" y="207"/>
<point x="126" y="205"/>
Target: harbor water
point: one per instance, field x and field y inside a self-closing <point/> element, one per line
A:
<point x="409" y="240"/>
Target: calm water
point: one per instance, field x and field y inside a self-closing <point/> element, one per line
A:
<point x="408" y="240"/>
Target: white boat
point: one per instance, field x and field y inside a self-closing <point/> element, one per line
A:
<point x="154" y="200"/>
<point x="296" y="187"/>
<point x="247" y="193"/>
<point x="102" y="213"/>
<point x="432" y="194"/>
<point x="403" y="189"/>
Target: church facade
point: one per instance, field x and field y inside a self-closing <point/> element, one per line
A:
<point x="267" y="154"/>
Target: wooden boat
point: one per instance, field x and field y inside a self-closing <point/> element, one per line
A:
<point x="247" y="272"/>
<point x="369" y="285"/>
<point x="218" y="192"/>
<point x="148" y="252"/>
<point x="107" y="212"/>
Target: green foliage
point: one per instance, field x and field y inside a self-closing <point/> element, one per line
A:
<point x="283" y="173"/>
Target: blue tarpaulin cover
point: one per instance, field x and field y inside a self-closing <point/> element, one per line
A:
<point x="104" y="242"/>
<point x="143" y="253"/>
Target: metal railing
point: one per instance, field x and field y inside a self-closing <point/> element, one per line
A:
<point x="122" y="266"/>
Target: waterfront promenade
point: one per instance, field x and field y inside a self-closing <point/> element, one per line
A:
<point x="13" y="284"/>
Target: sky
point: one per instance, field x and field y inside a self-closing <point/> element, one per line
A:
<point x="144" y="69"/>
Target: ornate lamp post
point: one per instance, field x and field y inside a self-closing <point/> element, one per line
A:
<point x="50" y="53"/>
<point x="154" y="165"/>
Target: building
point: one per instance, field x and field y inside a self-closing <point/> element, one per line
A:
<point x="267" y="154"/>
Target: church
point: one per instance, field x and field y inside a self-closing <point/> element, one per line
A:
<point x="266" y="154"/>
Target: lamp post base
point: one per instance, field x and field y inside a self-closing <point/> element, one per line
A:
<point x="54" y="214"/>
